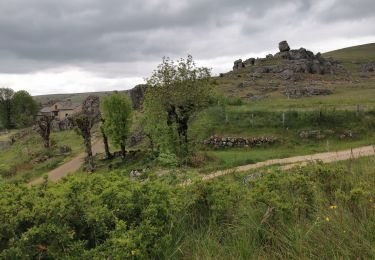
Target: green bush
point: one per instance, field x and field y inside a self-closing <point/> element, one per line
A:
<point x="87" y="218"/>
<point x="6" y="171"/>
<point x="167" y="160"/>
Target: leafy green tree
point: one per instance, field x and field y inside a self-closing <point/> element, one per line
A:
<point x="117" y="112"/>
<point x="176" y="92"/>
<point x="24" y="108"/>
<point x="6" y="95"/>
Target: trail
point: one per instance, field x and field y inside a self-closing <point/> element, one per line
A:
<point x="296" y="160"/>
<point x="289" y="162"/>
<point x="69" y="167"/>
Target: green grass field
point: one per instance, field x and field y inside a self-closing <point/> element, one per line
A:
<point x="17" y="160"/>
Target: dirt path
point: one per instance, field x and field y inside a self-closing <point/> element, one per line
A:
<point x="293" y="161"/>
<point x="69" y="167"/>
<point x="289" y="162"/>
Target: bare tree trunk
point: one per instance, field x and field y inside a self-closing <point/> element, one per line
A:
<point x="108" y="154"/>
<point x="84" y="124"/>
<point x="123" y="151"/>
<point x="44" y="130"/>
<point x="89" y="158"/>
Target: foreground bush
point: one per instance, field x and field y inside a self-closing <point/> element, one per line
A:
<point x="85" y="217"/>
<point x="318" y="211"/>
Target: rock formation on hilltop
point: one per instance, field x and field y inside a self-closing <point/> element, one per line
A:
<point x="288" y="62"/>
<point x="284" y="46"/>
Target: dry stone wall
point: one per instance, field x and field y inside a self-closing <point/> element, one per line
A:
<point x="231" y="142"/>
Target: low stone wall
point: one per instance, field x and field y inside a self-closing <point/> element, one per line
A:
<point x="323" y="134"/>
<point x="228" y="142"/>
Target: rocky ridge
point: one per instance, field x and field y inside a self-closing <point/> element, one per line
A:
<point x="291" y="62"/>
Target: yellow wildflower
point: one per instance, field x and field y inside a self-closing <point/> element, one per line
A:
<point x="333" y="207"/>
<point x="328" y="219"/>
<point x="370" y="200"/>
<point x="373" y="206"/>
<point x="134" y="252"/>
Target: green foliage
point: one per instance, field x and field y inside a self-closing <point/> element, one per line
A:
<point x="87" y="218"/>
<point x="117" y="113"/>
<point x="16" y="109"/>
<point x="176" y="91"/>
<point x="24" y="108"/>
<point x="6" y="171"/>
<point x="169" y="160"/>
<point x="324" y="211"/>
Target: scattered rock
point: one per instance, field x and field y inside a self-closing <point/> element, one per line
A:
<point x="256" y="98"/>
<point x="39" y="160"/>
<point x="368" y="67"/>
<point x="300" y="92"/>
<point x="135" y="173"/>
<point x="347" y="134"/>
<point x="252" y="177"/>
<point x="65" y="149"/>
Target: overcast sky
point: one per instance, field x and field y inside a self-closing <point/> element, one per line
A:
<point x="55" y="46"/>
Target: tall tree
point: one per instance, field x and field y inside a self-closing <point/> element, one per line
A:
<point x="177" y="90"/>
<point x="6" y="95"/>
<point x="24" y="108"/>
<point x="117" y="113"/>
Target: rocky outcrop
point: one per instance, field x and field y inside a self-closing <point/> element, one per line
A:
<point x="137" y="94"/>
<point x="62" y="125"/>
<point x="368" y="67"/>
<point x="284" y="46"/>
<point x="238" y="64"/>
<point x="290" y="62"/>
<point x="300" y="92"/>
<point x="231" y="142"/>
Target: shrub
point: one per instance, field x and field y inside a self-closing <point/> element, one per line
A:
<point x="168" y="160"/>
<point x="6" y="171"/>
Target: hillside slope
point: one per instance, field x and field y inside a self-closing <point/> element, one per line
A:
<point x="360" y="53"/>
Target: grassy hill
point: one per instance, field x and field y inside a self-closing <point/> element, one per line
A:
<point x="361" y="53"/>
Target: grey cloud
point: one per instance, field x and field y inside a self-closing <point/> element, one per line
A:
<point x="39" y="34"/>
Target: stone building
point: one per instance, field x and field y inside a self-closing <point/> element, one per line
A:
<point x="61" y="109"/>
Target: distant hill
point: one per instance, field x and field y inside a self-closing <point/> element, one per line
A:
<point x="75" y="97"/>
<point x="361" y="53"/>
<point x="241" y="84"/>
